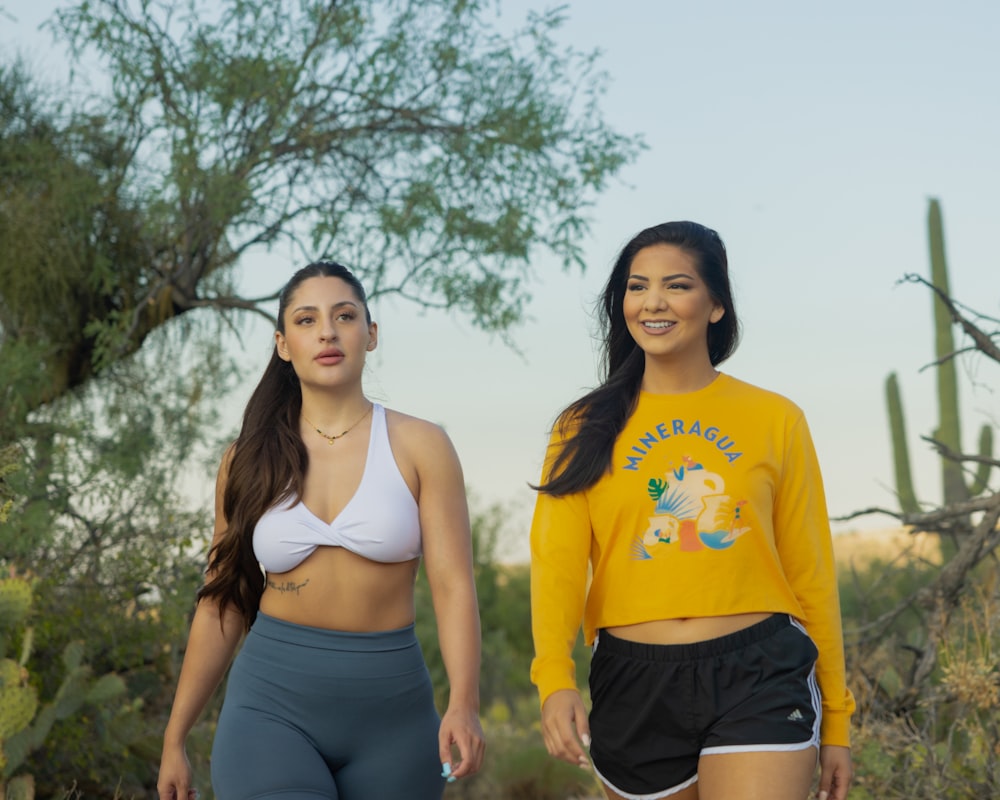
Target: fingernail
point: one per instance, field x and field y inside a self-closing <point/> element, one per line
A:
<point x="586" y="740"/>
<point x="823" y="795"/>
<point x="584" y="763"/>
<point x="446" y="772"/>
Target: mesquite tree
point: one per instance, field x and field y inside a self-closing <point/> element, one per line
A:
<point x="410" y="139"/>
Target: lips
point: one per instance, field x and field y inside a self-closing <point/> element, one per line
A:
<point x="657" y="326"/>
<point x="330" y="357"/>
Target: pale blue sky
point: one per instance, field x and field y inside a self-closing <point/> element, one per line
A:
<point x="810" y="137"/>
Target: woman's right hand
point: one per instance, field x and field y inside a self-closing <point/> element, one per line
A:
<point x="565" y="727"/>
<point x="174" y="782"/>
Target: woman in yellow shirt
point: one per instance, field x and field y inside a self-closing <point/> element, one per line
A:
<point x="681" y="518"/>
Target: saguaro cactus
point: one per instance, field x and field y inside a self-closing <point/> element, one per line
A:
<point x="948" y="431"/>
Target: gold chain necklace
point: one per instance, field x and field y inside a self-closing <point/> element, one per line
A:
<point x="331" y="439"/>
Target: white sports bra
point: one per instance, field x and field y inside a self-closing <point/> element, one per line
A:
<point x="380" y="522"/>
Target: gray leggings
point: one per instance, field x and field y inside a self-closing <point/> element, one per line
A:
<point x="316" y="713"/>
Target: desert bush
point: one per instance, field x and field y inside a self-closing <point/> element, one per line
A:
<point x="517" y="766"/>
<point x="935" y="739"/>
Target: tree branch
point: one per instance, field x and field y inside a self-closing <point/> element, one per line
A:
<point x="984" y="342"/>
<point x="946" y="452"/>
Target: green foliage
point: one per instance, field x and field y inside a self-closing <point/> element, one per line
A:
<point x="138" y="637"/>
<point x="115" y="557"/>
<point x="873" y="588"/>
<point x="20" y="788"/>
<point x="518" y="767"/>
<point x="504" y="597"/>
<point x="15" y="603"/>
<point x="69" y="238"/>
<point x="8" y="466"/>
<point x="504" y="612"/>
<point x="942" y="742"/>
<point x="26" y="723"/>
<point x="925" y="637"/>
<point x="18" y="703"/>
<point x="948" y="431"/>
<point x="406" y="138"/>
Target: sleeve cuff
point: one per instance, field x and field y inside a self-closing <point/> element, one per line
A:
<point x="836" y="726"/>
<point x="553" y="680"/>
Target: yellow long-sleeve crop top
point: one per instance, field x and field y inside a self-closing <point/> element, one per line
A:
<point x="714" y="505"/>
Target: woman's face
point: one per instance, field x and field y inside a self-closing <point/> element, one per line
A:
<point x="667" y="305"/>
<point x="327" y="334"/>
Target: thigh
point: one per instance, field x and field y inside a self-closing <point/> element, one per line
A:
<point x="758" y="775"/>
<point x="691" y="793"/>
<point x="258" y="755"/>
<point x="395" y="754"/>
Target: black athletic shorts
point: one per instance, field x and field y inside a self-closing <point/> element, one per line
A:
<point x="658" y="708"/>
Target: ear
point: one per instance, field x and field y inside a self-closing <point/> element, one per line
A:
<point x="372" y="336"/>
<point x="717" y="313"/>
<point x="281" y="345"/>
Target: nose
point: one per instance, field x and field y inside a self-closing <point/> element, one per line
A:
<point x="327" y="331"/>
<point x="655" y="299"/>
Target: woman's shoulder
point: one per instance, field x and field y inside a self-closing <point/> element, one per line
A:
<point x="750" y="392"/>
<point x="421" y="445"/>
<point x="409" y="430"/>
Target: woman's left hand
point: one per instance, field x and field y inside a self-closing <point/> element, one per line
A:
<point x="461" y="729"/>
<point x="836" y="772"/>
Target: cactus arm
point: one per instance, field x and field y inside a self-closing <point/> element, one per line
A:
<point x="15" y="752"/>
<point x="21" y="788"/>
<point x="982" y="476"/>
<point x="18" y="705"/>
<point x="26" y="722"/>
<point x="948" y="431"/>
<point x="15" y="603"/>
<point x="900" y="451"/>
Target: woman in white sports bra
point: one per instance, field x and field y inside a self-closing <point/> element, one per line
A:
<point x="324" y="505"/>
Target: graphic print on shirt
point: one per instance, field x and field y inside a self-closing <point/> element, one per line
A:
<point x="690" y="506"/>
<point x="692" y="511"/>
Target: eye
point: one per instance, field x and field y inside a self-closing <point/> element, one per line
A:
<point x="680" y="286"/>
<point x="304" y="320"/>
<point x="635" y="287"/>
<point x="346" y="316"/>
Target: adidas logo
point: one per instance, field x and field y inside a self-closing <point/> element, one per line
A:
<point x="795" y="716"/>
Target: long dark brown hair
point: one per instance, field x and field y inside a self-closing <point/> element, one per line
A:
<point x="268" y="463"/>
<point x="591" y="425"/>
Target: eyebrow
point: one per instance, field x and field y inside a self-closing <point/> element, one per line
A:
<point x="664" y="278"/>
<point x="315" y="308"/>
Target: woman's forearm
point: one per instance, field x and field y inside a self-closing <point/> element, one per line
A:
<point x="210" y="650"/>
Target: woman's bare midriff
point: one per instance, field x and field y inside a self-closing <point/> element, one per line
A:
<point x="686" y="631"/>
<point x="340" y="590"/>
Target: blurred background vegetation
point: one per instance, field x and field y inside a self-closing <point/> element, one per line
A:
<point x="436" y="156"/>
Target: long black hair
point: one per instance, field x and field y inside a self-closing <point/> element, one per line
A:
<point x="590" y="426"/>
<point x="269" y="461"/>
